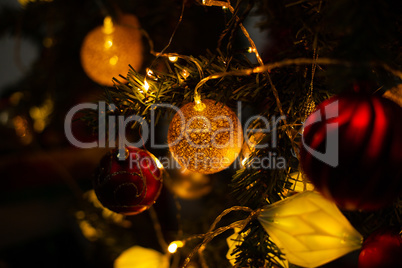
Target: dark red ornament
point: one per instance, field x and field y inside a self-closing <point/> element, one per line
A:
<point x="128" y="186"/>
<point x="352" y="150"/>
<point x="381" y="250"/>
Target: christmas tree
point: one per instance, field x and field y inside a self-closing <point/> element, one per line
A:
<point x="204" y="133"/>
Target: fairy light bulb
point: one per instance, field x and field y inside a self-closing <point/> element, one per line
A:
<point x="145" y="87"/>
<point x="172" y="248"/>
<point x="185" y="74"/>
<point x="199" y="106"/>
<point x="244" y="161"/>
<point x="173" y="58"/>
<point x="108" y="27"/>
<point x="251" y="50"/>
<point x="150" y="72"/>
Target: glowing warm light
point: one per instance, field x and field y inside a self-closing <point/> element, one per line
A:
<point x="108" y="50"/>
<point x="185" y="74"/>
<point x="146" y="86"/>
<point x="205" y="140"/>
<point x="41" y="115"/>
<point x="15" y="98"/>
<point x="108" y="44"/>
<point x="199" y="106"/>
<point x="39" y="125"/>
<point x="88" y="231"/>
<point x="108" y="27"/>
<point x="299" y="184"/>
<point x="251" y="50"/>
<point x="158" y="163"/>
<point x="22" y="129"/>
<point x="150" y="72"/>
<point x="173" y="58"/>
<point x="140" y="257"/>
<point x="113" y="60"/>
<point x="309" y="229"/>
<point x="172" y="248"/>
<point x="244" y="161"/>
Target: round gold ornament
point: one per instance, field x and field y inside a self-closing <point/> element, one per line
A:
<point x="205" y="137"/>
<point x="108" y="50"/>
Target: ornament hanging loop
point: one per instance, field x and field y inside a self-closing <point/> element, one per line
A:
<point x="108" y="27"/>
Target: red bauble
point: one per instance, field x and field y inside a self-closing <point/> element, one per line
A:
<point x="362" y="167"/>
<point x="128" y="186"/>
<point x="381" y="250"/>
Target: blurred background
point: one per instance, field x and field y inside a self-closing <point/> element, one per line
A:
<point x="49" y="216"/>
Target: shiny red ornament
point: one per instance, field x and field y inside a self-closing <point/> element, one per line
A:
<point x="352" y="150"/>
<point x="381" y="250"/>
<point x="128" y="186"/>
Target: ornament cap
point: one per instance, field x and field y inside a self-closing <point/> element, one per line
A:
<point x="199" y="106"/>
<point x="108" y="27"/>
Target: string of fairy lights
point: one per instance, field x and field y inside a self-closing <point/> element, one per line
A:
<point x="338" y="234"/>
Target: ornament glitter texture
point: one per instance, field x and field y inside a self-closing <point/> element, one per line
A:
<point x="108" y="50"/>
<point x="351" y="150"/>
<point x="129" y="186"/>
<point x="206" y="137"/>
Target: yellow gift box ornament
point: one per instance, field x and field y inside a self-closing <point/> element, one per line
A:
<point x="309" y="229"/>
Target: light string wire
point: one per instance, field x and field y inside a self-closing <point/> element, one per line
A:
<point x="259" y="59"/>
<point x="211" y="234"/>
<point x="309" y="104"/>
<point x="163" y="54"/>
<point x="275" y="65"/>
<point x="263" y="68"/>
<point x="158" y="229"/>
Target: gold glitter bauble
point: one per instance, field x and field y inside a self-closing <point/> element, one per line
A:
<point x="205" y="137"/>
<point x="108" y="50"/>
